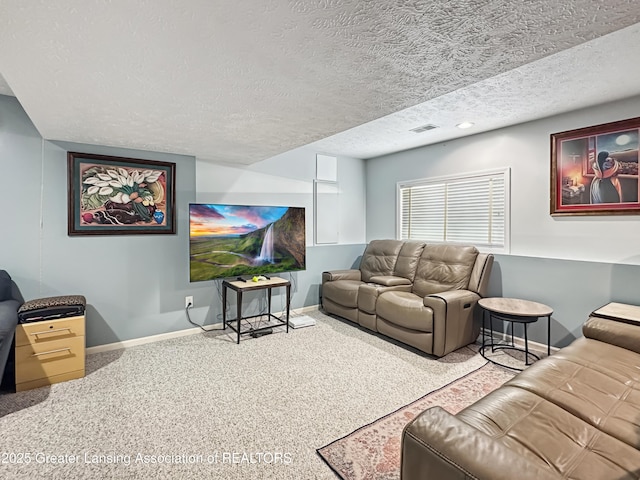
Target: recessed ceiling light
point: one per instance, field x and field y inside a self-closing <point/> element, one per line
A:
<point x="465" y="125"/>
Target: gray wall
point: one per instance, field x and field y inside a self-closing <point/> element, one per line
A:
<point x="572" y="288"/>
<point x="573" y="264"/>
<point x="134" y="285"/>
<point x="20" y="196"/>
<point x="286" y="179"/>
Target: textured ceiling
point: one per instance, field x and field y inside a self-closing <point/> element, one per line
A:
<point x="243" y="81"/>
<point x="592" y="73"/>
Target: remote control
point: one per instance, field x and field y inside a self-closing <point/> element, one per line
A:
<point x="241" y="279"/>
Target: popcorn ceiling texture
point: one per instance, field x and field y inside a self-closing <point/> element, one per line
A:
<point x="243" y="81"/>
<point x="555" y="84"/>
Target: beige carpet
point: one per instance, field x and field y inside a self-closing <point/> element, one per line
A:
<point x="203" y="407"/>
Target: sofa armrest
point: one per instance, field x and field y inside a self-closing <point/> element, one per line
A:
<point x="466" y="298"/>
<point x="453" y="323"/>
<point x="334" y="275"/>
<point x="390" y="280"/>
<point x="616" y="332"/>
<point x="15" y="293"/>
<point x="439" y="445"/>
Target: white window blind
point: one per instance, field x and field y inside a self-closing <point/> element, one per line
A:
<point x="471" y="209"/>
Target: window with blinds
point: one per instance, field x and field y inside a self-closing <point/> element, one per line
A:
<point x="471" y="209"/>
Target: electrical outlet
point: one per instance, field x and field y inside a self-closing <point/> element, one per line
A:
<point x="188" y="302"/>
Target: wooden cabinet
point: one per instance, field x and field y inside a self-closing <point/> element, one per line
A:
<point x="49" y="352"/>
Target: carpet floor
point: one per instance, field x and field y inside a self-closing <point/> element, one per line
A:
<point x="373" y="451"/>
<point x="202" y="406"/>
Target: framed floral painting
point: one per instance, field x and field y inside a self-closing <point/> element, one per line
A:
<point x="120" y="196"/>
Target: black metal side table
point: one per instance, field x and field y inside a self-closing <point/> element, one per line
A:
<point x="513" y="310"/>
<point x="240" y="287"/>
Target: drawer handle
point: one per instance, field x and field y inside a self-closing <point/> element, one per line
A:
<point x="52" y="351"/>
<point x="51" y="331"/>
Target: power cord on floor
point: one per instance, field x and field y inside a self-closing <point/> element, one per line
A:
<point x="186" y="310"/>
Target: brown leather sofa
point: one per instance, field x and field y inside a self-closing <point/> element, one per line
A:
<point x="573" y="415"/>
<point x="422" y="295"/>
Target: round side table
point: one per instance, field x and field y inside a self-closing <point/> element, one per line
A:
<point x="513" y="310"/>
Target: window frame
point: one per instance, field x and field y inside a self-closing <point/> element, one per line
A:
<point x="506" y="174"/>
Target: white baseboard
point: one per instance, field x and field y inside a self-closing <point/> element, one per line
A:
<point x="519" y="341"/>
<point x="179" y="333"/>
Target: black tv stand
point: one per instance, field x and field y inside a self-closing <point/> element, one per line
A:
<point x="244" y="286"/>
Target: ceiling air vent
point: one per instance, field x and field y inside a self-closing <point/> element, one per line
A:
<point x="423" y="128"/>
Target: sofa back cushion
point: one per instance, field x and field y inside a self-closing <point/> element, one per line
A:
<point x="379" y="258"/>
<point x="444" y="267"/>
<point x="479" y="281"/>
<point x="408" y="259"/>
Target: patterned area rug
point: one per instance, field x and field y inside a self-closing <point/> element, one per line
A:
<point x="373" y="451"/>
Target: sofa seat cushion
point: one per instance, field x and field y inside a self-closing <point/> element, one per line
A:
<point x="389" y="280"/>
<point x="405" y="310"/>
<point x="342" y="292"/>
<point x="546" y="434"/>
<point x="595" y="381"/>
<point x="368" y="294"/>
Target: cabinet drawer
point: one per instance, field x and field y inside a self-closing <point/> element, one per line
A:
<point x="50" y="358"/>
<point x="41" y="382"/>
<point x="45" y="331"/>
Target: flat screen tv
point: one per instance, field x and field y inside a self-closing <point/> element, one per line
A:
<point x="244" y="240"/>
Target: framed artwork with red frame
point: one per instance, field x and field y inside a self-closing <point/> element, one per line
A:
<point x="594" y="170"/>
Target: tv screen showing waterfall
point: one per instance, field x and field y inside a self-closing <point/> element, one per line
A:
<point x="244" y="240"/>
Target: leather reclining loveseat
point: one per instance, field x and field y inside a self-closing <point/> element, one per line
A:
<point x="420" y="294"/>
<point x="573" y="415"/>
